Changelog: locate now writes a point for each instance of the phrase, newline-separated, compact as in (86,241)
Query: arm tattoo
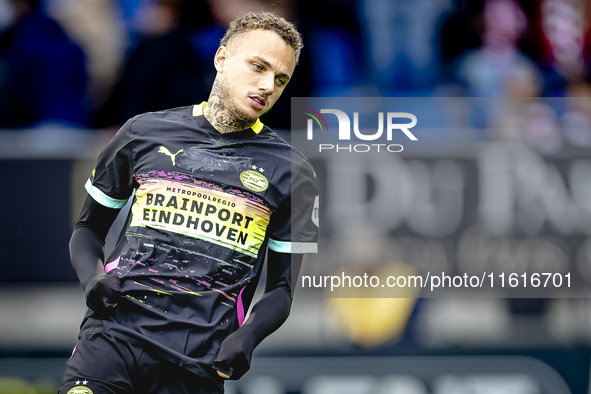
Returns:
(217,114)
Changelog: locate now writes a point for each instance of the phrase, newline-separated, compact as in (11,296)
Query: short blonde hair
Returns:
(266,21)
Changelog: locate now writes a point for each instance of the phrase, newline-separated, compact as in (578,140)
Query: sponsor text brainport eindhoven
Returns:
(153,214)
(345,131)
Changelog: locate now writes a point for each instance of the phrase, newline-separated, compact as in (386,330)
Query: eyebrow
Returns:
(266,63)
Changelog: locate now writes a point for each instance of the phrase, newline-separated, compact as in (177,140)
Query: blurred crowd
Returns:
(95,63)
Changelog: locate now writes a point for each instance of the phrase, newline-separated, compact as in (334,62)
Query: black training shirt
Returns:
(206,207)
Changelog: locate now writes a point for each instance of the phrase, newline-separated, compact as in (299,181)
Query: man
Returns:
(214,188)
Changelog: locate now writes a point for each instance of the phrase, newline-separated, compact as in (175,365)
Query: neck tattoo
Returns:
(218,115)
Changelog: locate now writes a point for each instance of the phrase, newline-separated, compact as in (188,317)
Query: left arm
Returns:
(267,315)
(293,228)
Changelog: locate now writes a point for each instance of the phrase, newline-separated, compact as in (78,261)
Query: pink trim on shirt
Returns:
(240,308)
(112,265)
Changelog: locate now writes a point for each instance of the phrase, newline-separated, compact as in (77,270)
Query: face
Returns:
(564,28)
(504,21)
(253,70)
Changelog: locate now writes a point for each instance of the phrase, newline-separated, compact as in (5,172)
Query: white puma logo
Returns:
(163,149)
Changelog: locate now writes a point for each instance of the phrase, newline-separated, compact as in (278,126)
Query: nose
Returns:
(267,83)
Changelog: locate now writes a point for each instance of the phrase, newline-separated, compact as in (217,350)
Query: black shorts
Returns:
(103,364)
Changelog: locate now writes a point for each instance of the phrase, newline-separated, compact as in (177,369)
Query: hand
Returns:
(102,292)
(233,359)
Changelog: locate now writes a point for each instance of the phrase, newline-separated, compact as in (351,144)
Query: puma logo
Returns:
(164,150)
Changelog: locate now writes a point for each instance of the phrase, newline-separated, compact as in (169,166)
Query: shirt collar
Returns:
(198,111)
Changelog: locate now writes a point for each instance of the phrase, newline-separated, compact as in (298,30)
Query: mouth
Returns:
(258,102)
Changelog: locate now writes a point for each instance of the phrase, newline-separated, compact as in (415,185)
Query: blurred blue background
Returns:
(73,71)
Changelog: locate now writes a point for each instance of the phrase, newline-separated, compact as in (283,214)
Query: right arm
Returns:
(109,188)
(87,254)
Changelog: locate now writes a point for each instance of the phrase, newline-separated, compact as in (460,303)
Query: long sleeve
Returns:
(267,315)
(87,253)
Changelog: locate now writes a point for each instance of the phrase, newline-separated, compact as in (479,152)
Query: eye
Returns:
(257,66)
(281,81)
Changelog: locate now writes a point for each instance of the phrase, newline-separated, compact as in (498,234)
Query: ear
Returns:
(219,60)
